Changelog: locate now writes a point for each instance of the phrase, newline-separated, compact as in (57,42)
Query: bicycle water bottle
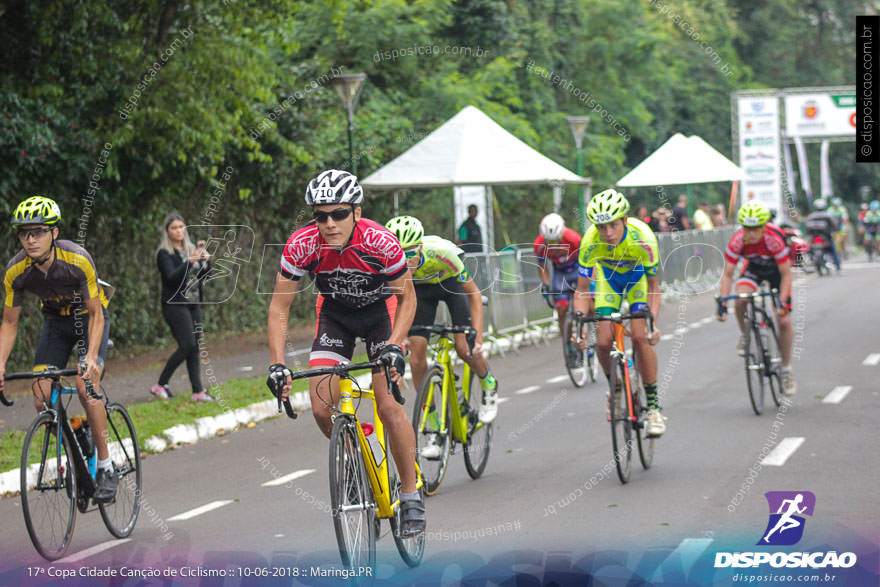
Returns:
(629,362)
(83,434)
(373,441)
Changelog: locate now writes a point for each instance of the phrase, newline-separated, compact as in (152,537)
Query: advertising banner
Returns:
(759,154)
(820,115)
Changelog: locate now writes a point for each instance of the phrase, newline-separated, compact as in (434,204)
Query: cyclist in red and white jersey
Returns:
(560,246)
(365,292)
(765,255)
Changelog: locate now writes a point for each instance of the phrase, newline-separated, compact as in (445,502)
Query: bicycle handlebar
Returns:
(53,374)
(341,369)
(755,294)
(443,330)
(618,317)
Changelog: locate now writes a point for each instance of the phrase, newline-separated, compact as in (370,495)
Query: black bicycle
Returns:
(763,357)
(59,464)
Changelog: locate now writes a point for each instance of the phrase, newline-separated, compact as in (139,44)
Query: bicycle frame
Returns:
(443,358)
(619,352)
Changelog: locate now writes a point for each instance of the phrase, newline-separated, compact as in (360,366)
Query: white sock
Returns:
(106,464)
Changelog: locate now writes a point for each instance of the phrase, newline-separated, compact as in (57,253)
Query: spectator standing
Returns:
(182,266)
(679,219)
(701,217)
(470,237)
(719,217)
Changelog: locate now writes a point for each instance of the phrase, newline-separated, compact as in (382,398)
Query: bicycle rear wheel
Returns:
(479,441)
(411,549)
(754,367)
(640,406)
(121,514)
(426,423)
(576,361)
(49,507)
(351,498)
(772,360)
(621,425)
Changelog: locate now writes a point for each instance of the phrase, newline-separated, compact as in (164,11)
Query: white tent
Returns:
(682,160)
(471,149)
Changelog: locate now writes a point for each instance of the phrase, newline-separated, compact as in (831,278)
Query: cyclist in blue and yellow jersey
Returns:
(63,275)
(439,274)
(621,254)
(871,222)
(839,212)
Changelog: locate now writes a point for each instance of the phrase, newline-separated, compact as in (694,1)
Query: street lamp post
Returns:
(578,125)
(348,86)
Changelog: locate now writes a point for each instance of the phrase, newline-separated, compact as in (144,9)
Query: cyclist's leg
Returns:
(333,344)
(609,295)
(392,414)
(53,349)
(833,250)
(97,415)
(746,283)
(426,311)
(786,330)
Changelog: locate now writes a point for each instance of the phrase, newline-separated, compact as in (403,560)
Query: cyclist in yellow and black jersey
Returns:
(63,276)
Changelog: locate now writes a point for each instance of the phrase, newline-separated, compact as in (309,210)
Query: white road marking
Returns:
(872,360)
(706,320)
(693,325)
(558,379)
(200,510)
(836,395)
(286,478)
(246,368)
(83,554)
(783,450)
(299,352)
(501,400)
(667,336)
(680,330)
(528,389)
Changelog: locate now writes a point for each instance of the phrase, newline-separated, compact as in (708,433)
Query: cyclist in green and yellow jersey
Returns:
(439,274)
(621,254)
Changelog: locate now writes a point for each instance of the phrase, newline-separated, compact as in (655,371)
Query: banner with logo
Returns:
(820,115)
(759,155)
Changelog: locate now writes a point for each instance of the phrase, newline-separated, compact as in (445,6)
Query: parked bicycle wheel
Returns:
(411,549)
(621,425)
(772,360)
(754,362)
(476,450)
(351,498)
(48,494)
(640,406)
(426,423)
(577,362)
(121,515)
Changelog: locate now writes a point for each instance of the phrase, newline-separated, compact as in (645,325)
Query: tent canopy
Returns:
(469,149)
(682,160)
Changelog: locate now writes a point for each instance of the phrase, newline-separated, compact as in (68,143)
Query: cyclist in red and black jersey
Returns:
(765,256)
(365,292)
(560,246)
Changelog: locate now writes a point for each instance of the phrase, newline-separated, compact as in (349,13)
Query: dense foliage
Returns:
(223,110)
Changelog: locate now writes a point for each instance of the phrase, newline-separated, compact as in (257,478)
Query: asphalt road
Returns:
(536,505)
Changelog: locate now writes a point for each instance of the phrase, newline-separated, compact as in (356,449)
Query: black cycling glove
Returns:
(278,374)
(393,355)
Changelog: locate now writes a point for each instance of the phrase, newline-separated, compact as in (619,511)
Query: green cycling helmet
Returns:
(37,210)
(607,207)
(753,214)
(836,202)
(407,229)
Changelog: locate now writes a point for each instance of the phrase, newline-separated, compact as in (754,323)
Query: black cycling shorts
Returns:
(429,296)
(339,326)
(753,275)
(63,334)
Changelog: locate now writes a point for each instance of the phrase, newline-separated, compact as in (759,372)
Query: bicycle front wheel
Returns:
(772,361)
(576,360)
(479,441)
(621,425)
(429,434)
(754,368)
(48,488)
(351,498)
(640,406)
(411,549)
(121,514)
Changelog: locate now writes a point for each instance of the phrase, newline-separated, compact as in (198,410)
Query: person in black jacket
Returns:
(183,266)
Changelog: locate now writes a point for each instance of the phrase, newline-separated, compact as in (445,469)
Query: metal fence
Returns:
(691,262)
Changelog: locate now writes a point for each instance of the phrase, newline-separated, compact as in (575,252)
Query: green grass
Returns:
(153,417)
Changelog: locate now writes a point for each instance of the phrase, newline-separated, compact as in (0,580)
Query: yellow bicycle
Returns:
(446,413)
(364,482)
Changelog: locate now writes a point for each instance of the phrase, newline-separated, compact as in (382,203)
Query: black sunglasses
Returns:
(37,233)
(337,215)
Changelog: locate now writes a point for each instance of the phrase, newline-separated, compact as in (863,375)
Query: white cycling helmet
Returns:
(552,227)
(334,187)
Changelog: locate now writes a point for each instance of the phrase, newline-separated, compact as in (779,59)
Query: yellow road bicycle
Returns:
(364,482)
(446,413)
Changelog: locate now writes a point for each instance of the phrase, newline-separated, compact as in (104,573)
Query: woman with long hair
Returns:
(182,266)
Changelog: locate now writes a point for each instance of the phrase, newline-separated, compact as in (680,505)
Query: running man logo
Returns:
(786,524)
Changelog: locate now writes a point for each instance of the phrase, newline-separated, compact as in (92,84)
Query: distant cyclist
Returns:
(560,246)
(821,223)
(621,254)
(365,292)
(871,223)
(761,246)
(63,276)
(439,275)
(839,212)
